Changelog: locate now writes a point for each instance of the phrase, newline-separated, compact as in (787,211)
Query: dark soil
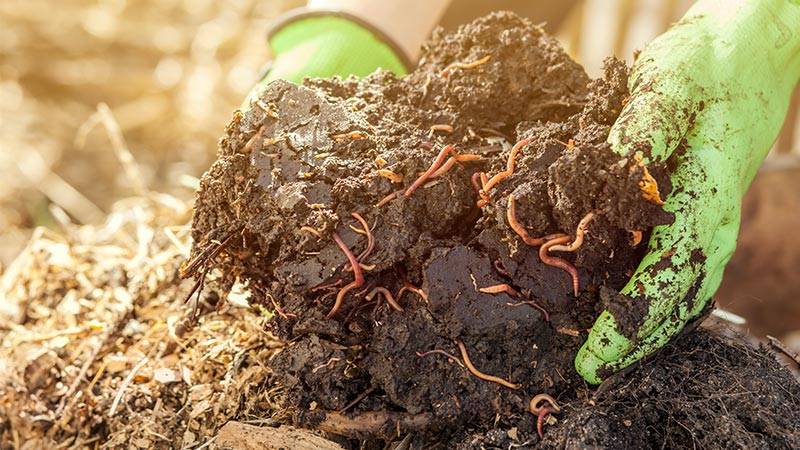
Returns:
(306,157)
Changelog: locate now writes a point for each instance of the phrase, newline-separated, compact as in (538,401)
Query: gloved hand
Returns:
(709,96)
(319,44)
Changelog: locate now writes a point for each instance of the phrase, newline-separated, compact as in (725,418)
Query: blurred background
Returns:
(173,71)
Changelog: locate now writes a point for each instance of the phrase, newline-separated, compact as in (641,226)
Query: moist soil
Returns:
(293,169)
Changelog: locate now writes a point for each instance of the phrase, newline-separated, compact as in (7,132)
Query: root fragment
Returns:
(441,352)
(311,230)
(558,262)
(358,280)
(459,65)
(480,374)
(542,412)
(579,233)
(283,314)
(327,364)
(446,150)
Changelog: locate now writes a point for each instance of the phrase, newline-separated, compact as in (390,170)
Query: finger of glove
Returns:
(718,256)
(663,96)
(705,226)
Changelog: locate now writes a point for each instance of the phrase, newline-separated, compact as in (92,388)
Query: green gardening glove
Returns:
(710,95)
(324,44)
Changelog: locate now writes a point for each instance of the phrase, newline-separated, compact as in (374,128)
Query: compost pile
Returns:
(435,188)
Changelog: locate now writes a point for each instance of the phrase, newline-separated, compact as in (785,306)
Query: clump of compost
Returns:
(434,247)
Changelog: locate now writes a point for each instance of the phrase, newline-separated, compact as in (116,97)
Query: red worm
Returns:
(357,274)
(558,262)
(387,295)
(542,412)
(579,234)
(431,170)
(500,288)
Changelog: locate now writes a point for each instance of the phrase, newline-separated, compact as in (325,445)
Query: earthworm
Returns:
(410,287)
(446,150)
(511,216)
(460,65)
(475,179)
(248,147)
(327,364)
(326,285)
(484,197)
(500,288)
(510,165)
(441,352)
(500,268)
(357,275)
(351,135)
(370,237)
(388,198)
(442,127)
(451,162)
(279,310)
(579,233)
(387,295)
(543,412)
(558,262)
(390,175)
(311,230)
(480,374)
(535,305)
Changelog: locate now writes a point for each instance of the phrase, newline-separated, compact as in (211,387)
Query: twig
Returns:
(124,385)
(784,349)
(441,352)
(357,400)
(104,116)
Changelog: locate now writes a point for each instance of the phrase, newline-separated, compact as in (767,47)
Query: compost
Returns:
(435,247)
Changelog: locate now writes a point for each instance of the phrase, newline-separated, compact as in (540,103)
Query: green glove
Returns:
(710,96)
(319,44)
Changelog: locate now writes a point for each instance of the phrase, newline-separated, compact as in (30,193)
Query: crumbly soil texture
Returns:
(305,163)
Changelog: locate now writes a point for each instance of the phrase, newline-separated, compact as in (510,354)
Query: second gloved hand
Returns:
(708,97)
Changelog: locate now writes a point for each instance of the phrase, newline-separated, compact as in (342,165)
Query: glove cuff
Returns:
(299,25)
